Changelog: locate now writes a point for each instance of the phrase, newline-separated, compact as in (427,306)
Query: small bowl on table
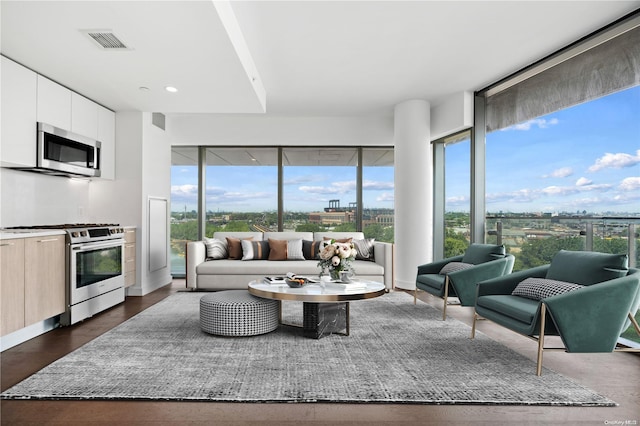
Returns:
(296,282)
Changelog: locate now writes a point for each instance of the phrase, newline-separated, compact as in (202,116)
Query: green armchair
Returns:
(457,276)
(586,298)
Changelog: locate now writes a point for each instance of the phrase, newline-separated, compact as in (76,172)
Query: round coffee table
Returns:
(325,305)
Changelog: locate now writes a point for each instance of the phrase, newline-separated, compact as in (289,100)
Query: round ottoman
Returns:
(237,313)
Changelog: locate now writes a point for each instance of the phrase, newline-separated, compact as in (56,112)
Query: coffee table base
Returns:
(324,319)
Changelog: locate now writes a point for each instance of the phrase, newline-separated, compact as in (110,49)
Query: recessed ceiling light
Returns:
(171,89)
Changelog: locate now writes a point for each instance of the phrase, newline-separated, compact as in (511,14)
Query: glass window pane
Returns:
(377,193)
(319,186)
(184,202)
(457,154)
(242,189)
(566,180)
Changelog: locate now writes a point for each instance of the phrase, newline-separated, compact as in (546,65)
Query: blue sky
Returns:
(586,157)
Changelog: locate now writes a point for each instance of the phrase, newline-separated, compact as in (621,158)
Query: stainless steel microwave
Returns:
(64,153)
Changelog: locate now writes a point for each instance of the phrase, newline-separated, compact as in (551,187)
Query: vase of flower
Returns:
(336,258)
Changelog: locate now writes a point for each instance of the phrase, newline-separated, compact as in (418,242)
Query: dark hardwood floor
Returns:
(616,376)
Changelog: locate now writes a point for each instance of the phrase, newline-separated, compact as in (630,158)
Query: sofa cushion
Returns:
(261,268)
(255,250)
(285,249)
(454,267)
(541,288)
(587,267)
(235,247)
(311,249)
(515,307)
(481,253)
(364,249)
(216,248)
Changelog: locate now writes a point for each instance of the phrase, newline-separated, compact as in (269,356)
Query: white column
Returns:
(413,190)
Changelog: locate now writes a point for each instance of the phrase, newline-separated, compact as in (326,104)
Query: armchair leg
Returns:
(446,295)
(634,322)
(473,326)
(543,314)
(415,295)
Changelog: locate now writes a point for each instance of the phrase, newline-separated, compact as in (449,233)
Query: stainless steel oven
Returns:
(95,271)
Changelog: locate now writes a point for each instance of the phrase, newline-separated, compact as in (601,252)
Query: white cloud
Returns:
(184,190)
(375,185)
(386,196)
(560,173)
(457,201)
(583,181)
(630,184)
(615,161)
(541,123)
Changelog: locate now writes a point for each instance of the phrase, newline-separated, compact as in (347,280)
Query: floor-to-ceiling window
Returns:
(319,188)
(184,204)
(457,175)
(279,188)
(563,152)
(241,189)
(377,193)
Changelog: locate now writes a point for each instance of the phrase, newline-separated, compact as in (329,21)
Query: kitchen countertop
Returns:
(9,234)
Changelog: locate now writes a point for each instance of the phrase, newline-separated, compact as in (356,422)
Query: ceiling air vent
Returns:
(106,39)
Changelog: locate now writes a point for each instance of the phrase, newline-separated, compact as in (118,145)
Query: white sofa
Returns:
(226,274)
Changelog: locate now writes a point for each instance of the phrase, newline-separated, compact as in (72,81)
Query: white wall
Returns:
(33,199)
(247,129)
(143,170)
(453,114)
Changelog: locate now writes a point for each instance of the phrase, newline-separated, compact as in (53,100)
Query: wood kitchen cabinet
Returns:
(32,280)
(11,285)
(129,257)
(44,278)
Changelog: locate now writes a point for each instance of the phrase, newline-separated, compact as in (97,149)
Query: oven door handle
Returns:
(98,245)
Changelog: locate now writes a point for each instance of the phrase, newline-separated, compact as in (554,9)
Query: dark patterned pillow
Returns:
(364,249)
(311,249)
(216,249)
(454,267)
(255,250)
(541,288)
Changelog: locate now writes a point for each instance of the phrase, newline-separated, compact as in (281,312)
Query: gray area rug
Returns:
(396,353)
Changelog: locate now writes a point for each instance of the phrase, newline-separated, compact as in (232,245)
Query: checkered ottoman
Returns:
(237,313)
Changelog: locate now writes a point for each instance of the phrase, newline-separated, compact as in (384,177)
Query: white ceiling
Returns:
(310,58)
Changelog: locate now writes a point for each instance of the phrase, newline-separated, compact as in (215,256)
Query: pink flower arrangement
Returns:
(337,257)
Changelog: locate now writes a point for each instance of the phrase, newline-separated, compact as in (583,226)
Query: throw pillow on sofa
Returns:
(235,247)
(364,249)
(311,249)
(216,249)
(255,250)
(541,288)
(285,249)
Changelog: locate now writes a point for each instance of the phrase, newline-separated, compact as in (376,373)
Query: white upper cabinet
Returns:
(18,93)
(107,136)
(54,104)
(84,116)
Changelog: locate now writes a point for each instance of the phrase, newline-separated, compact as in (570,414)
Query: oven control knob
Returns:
(84,233)
(74,234)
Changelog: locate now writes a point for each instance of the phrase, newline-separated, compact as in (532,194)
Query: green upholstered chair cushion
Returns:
(586,268)
(481,253)
(519,308)
(434,281)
